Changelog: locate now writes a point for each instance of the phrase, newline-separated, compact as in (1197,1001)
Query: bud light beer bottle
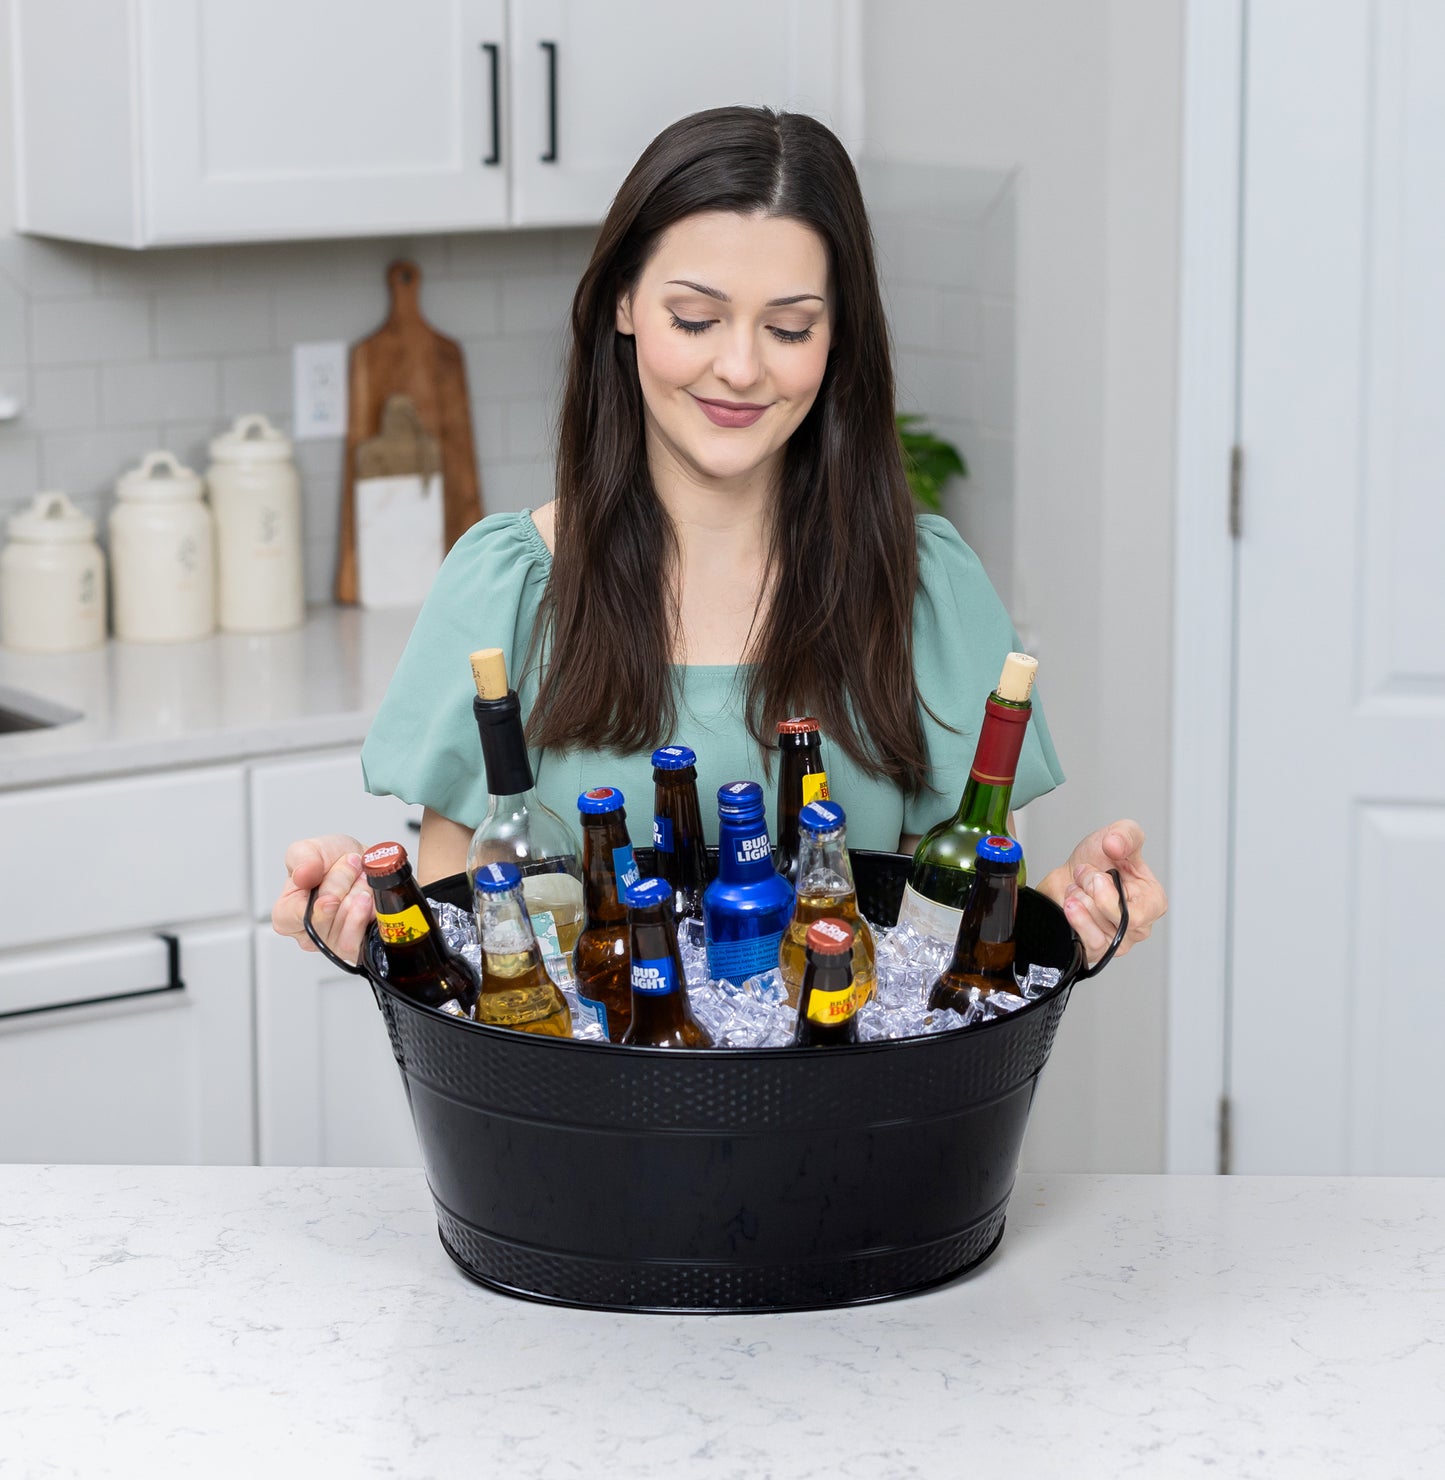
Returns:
(661,1014)
(677,841)
(746,909)
(599,964)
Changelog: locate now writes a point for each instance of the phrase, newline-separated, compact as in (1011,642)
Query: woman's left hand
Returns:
(1084,891)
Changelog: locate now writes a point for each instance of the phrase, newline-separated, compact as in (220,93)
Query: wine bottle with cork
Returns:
(944,861)
(518,829)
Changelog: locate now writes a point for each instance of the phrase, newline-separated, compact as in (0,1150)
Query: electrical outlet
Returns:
(318,375)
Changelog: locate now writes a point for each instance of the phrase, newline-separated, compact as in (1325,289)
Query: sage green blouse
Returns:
(423,747)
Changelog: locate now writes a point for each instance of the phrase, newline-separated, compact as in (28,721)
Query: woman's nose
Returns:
(737,360)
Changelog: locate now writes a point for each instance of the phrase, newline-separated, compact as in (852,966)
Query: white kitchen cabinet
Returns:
(106,1055)
(166,122)
(328,1089)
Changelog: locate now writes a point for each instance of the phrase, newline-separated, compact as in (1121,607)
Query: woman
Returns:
(732,541)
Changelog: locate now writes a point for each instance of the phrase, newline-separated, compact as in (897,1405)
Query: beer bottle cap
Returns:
(382,859)
(999,849)
(674,758)
(803,724)
(489,673)
(1016,681)
(821,817)
(830,937)
(739,798)
(497,878)
(644,893)
(599,800)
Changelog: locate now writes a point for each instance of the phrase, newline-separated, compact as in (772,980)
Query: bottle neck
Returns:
(677,830)
(503,923)
(985,800)
(988,921)
(504,745)
(407,927)
(823,864)
(744,854)
(606,851)
(799,756)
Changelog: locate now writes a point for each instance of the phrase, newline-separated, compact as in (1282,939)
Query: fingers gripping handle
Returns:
(1108,955)
(331,955)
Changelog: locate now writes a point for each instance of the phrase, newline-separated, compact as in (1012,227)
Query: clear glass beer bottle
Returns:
(516,990)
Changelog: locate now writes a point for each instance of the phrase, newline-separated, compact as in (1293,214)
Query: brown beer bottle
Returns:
(983,956)
(677,841)
(417,960)
(599,964)
(661,1016)
(516,990)
(801,779)
(828,1002)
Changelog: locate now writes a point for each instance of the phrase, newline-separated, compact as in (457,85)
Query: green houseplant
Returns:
(928,461)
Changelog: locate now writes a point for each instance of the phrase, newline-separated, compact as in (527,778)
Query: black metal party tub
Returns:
(728,1179)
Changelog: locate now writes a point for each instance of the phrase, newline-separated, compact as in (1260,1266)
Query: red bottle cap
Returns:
(384,858)
(802,725)
(830,937)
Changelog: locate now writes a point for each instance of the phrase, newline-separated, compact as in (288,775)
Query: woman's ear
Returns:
(624,316)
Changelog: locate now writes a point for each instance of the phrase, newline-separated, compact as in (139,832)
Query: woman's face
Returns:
(732,322)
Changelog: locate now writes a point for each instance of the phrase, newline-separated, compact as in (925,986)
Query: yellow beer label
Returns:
(832,1007)
(815,787)
(398,930)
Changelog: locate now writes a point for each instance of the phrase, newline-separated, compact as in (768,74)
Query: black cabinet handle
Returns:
(494,56)
(173,984)
(550,47)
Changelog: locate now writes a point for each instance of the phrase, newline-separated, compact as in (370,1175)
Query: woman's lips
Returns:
(729,413)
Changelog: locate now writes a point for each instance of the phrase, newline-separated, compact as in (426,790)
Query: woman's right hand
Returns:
(332,866)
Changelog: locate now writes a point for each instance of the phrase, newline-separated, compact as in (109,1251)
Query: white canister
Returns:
(162,554)
(256,495)
(52,579)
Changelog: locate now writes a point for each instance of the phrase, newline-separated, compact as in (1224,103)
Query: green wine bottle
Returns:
(943,863)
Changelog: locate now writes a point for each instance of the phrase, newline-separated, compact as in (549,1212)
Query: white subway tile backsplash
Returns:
(530,430)
(256,383)
(537,304)
(212,323)
(523,484)
(460,308)
(489,425)
(961,322)
(86,464)
(500,253)
(89,331)
(14,340)
(515,366)
(159,390)
(19,468)
(64,399)
(166,270)
(342,308)
(915,315)
(54,269)
(998,341)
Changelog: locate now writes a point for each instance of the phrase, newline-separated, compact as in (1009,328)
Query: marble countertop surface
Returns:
(152,706)
(245,1321)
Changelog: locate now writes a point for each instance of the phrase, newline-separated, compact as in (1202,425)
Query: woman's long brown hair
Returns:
(836,638)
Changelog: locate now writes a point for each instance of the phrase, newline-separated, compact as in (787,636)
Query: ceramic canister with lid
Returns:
(256,494)
(162,554)
(52,579)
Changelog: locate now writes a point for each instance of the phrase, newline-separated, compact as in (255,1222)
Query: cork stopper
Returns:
(489,673)
(1016,682)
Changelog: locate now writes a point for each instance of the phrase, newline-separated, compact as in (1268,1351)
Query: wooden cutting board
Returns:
(407,357)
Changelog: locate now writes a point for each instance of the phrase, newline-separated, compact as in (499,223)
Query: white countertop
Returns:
(245,1321)
(152,706)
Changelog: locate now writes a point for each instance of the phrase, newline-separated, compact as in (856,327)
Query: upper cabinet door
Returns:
(268,118)
(593,84)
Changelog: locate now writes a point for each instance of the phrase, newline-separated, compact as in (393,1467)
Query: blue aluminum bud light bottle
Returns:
(746,909)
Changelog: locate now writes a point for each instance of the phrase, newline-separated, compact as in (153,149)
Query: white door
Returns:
(1337,1017)
(108,1056)
(274,118)
(592,84)
(328,1089)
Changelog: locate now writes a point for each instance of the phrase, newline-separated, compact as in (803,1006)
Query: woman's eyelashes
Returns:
(786,336)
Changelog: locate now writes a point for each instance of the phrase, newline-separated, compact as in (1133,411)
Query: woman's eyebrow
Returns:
(723,297)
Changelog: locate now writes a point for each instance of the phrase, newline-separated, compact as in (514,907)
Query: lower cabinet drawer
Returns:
(107,856)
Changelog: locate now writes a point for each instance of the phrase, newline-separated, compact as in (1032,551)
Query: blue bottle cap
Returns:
(1000,849)
(739,797)
(600,799)
(642,893)
(497,878)
(674,758)
(822,817)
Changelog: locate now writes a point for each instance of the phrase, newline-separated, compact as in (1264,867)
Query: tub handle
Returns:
(326,950)
(1085,971)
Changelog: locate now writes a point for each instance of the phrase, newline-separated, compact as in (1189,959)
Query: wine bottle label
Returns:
(589,1011)
(624,866)
(654,978)
(736,960)
(815,787)
(751,850)
(662,834)
(544,927)
(927,917)
(399,929)
(832,1007)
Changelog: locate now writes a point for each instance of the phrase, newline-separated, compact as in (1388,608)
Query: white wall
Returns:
(1083,101)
